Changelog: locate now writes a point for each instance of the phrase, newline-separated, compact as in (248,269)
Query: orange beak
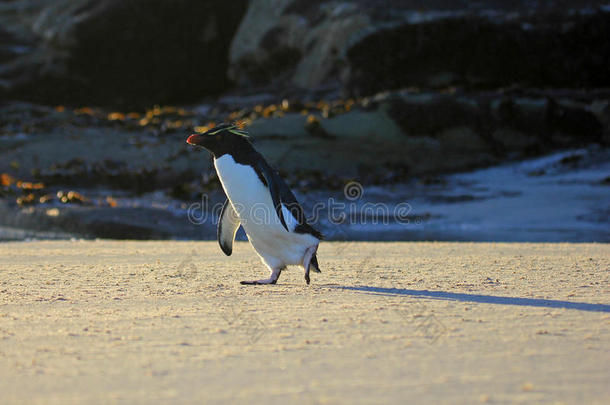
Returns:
(193,139)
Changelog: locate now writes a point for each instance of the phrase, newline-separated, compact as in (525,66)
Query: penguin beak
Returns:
(194,139)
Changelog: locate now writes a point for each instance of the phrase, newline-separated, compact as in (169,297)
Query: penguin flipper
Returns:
(227,227)
(274,189)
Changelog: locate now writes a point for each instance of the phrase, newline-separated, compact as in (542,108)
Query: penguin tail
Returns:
(314,264)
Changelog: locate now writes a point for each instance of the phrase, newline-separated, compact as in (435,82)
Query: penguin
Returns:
(259,201)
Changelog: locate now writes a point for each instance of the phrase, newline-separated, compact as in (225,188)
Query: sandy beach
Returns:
(168,322)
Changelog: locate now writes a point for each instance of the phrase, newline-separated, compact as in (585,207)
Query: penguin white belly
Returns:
(252,201)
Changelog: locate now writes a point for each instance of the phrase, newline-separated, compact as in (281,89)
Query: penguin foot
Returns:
(275,274)
(258,282)
(307,261)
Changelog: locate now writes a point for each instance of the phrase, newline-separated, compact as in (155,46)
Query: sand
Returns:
(168,322)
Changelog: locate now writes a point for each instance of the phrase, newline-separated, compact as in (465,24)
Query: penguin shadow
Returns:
(478,298)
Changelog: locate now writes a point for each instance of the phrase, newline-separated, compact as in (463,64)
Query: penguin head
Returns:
(221,139)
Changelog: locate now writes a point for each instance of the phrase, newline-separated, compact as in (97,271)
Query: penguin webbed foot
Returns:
(310,261)
(258,282)
(275,274)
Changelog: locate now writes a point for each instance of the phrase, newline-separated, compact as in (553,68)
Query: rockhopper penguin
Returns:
(259,201)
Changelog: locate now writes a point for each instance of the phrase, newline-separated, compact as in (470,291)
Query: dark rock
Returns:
(314,128)
(104,222)
(293,43)
(367,46)
(429,114)
(571,161)
(138,52)
(130,53)
(558,50)
(574,122)
(277,66)
(452,199)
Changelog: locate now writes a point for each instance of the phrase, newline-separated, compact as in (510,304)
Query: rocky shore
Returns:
(97,173)
(135,53)
(382,93)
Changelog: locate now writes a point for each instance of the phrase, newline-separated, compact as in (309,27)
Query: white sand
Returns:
(168,322)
